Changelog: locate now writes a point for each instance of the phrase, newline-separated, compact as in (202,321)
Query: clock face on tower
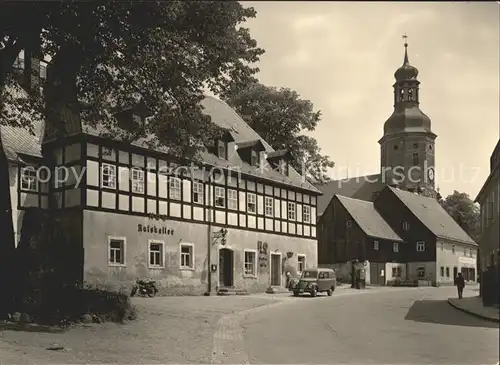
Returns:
(430,174)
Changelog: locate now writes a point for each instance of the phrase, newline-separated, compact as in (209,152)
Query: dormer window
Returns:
(249,151)
(254,159)
(283,167)
(137,119)
(222,149)
(279,160)
(132,119)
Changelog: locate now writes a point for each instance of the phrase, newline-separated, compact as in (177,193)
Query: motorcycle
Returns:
(145,288)
(291,282)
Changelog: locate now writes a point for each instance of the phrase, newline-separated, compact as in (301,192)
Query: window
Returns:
(250,263)
(465,251)
(29,179)
(187,256)
(406,226)
(220,198)
(442,246)
(306,213)
(301,263)
(254,158)
(43,71)
(410,95)
(197,192)
(420,246)
(442,271)
(453,249)
(421,272)
(415,159)
(269,206)
(116,251)
(447,272)
(291,211)
(174,188)
(395,247)
(396,272)
(222,149)
(108,176)
(348,223)
(470,252)
(156,254)
(401,95)
(415,145)
(375,245)
(232,199)
(283,167)
(137,181)
(324,275)
(251,203)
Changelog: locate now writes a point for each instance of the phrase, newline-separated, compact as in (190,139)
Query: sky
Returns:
(342,56)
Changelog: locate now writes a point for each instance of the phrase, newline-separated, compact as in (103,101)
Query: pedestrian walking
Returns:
(460,284)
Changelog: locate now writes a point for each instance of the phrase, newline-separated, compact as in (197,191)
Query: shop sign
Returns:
(154,229)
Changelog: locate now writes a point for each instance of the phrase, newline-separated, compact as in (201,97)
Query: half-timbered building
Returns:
(235,220)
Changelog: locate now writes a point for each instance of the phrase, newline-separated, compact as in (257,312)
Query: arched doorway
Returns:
(226,267)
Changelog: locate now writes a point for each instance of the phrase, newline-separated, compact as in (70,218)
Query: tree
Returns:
(107,55)
(464,211)
(280,116)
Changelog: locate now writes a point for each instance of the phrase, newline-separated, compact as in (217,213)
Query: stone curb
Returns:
(496,320)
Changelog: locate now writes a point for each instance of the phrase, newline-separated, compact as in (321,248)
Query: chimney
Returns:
(31,77)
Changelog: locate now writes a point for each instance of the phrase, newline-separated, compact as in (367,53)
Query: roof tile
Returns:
(433,216)
(368,219)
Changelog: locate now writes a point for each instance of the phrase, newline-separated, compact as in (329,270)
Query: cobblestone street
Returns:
(376,325)
(168,330)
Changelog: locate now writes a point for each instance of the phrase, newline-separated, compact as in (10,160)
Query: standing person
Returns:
(460,284)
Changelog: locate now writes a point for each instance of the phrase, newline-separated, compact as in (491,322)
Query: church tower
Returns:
(407,147)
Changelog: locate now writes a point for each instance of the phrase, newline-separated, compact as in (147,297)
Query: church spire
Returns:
(406,72)
(405,62)
(407,145)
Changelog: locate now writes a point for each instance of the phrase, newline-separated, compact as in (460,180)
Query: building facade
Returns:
(239,219)
(400,236)
(489,199)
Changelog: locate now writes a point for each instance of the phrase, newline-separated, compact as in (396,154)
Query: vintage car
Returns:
(314,281)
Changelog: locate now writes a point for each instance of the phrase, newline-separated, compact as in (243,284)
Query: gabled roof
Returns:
(368,219)
(18,141)
(359,187)
(225,117)
(433,216)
